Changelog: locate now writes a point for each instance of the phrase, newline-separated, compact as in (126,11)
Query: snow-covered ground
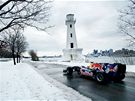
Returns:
(5,59)
(22,82)
(130,68)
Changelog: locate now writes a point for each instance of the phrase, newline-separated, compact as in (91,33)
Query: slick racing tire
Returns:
(119,77)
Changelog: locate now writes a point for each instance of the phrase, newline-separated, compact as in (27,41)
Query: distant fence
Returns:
(102,59)
(124,60)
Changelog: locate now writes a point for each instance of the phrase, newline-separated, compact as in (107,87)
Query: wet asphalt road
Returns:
(123,91)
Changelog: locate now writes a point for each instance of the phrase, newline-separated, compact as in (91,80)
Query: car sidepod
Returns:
(85,71)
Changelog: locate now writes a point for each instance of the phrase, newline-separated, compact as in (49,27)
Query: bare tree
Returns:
(127,21)
(23,13)
(10,39)
(16,43)
(20,45)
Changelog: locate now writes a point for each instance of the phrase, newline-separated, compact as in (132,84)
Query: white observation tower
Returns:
(72,52)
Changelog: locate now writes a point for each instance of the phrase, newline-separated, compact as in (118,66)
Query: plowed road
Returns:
(123,91)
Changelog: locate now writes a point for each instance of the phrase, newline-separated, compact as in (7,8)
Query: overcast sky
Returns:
(96,27)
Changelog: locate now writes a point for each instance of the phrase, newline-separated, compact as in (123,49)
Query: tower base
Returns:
(72,54)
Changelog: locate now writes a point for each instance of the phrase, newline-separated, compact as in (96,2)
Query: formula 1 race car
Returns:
(101,72)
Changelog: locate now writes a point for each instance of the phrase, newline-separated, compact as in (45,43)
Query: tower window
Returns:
(71,45)
(71,35)
(70,25)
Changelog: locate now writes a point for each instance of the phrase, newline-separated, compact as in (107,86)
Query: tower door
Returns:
(71,45)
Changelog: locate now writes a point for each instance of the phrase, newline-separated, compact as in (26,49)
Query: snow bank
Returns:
(5,59)
(130,68)
(21,82)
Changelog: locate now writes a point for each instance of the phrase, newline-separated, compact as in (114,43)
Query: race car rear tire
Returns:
(100,77)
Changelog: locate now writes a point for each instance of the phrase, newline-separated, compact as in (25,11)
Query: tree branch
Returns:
(4,4)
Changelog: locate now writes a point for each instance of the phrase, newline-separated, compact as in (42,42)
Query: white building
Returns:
(71,52)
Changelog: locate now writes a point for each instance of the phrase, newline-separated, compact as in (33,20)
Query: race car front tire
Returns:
(69,70)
